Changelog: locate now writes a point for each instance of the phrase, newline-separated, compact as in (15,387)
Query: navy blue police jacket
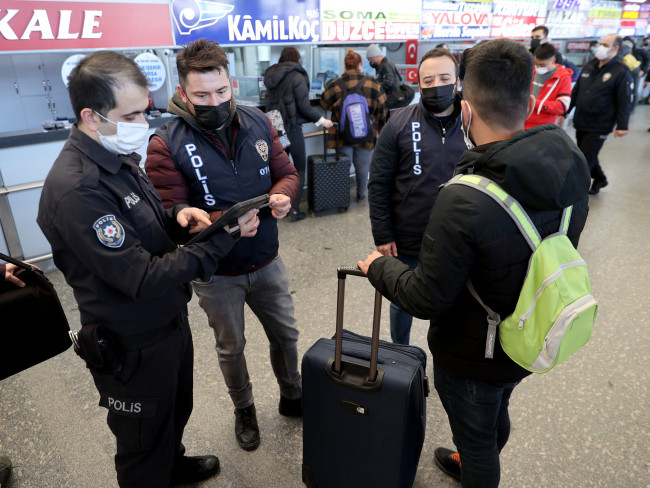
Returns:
(413,156)
(203,175)
(113,240)
(602,97)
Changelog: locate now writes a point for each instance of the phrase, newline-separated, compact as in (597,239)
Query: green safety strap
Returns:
(511,206)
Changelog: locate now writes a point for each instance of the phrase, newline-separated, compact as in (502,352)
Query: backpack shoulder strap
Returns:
(509,204)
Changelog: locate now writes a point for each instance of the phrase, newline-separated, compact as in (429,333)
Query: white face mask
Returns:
(602,53)
(465,131)
(541,71)
(129,137)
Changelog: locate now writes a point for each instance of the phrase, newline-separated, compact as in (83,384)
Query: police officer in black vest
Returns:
(112,240)
(416,152)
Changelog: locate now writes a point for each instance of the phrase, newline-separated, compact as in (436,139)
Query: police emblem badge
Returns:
(109,231)
(262,149)
(606,77)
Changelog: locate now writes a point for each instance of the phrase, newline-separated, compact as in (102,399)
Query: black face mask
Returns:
(534,44)
(437,99)
(210,117)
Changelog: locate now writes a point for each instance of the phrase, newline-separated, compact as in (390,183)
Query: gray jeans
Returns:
(266,291)
(360,158)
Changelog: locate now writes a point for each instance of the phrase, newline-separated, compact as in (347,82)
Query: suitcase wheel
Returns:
(343,209)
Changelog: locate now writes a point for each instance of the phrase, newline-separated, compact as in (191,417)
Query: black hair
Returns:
(545,51)
(542,28)
(202,56)
(497,82)
(93,82)
(439,52)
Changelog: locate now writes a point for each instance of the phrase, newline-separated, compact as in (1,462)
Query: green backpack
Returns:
(555,312)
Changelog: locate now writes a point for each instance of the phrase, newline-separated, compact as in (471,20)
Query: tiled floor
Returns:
(585,424)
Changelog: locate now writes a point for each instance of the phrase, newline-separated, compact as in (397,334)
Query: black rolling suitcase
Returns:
(364,408)
(328,179)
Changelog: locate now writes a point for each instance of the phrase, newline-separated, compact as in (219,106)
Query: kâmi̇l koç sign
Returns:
(237,22)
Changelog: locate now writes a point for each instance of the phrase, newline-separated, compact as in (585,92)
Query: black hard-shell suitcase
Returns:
(328,177)
(364,408)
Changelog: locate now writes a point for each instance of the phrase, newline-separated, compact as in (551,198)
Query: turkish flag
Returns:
(412,51)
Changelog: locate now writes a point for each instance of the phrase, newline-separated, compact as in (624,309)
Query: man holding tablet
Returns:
(212,156)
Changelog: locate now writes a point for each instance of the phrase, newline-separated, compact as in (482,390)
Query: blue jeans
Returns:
(401,321)
(360,158)
(480,424)
(266,291)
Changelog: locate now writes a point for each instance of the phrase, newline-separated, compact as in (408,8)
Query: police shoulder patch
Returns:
(109,231)
(262,149)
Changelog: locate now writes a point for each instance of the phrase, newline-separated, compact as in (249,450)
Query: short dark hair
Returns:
(593,43)
(93,82)
(289,54)
(542,28)
(545,51)
(497,81)
(203,56)
(439,52)
(618,42)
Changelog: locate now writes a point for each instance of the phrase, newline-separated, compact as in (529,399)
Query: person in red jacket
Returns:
(551,88)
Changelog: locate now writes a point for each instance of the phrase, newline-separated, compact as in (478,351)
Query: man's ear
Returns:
(464,110)
(89,119)
(181,92)
(531,105)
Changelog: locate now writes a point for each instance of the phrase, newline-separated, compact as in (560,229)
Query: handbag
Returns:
(33,325)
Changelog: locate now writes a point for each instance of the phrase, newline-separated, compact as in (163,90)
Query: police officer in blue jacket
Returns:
(114,243)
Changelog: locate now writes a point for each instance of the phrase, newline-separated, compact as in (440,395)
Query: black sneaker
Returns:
(290,408)
(246,430)
(5,470)
(596,186)
(295,215)
(448,461)
(192,469)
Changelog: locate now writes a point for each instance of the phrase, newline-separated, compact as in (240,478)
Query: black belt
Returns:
(151,337)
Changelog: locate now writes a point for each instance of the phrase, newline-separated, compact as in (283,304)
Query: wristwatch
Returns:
(234,231)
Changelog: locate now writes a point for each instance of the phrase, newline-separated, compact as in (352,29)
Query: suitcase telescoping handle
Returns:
(336,140)
(342,273)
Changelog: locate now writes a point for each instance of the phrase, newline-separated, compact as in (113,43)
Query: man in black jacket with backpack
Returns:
(469,237)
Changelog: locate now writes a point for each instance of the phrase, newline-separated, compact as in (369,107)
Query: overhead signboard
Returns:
(443,19)
(372,21)
(603,18)
(517,18)
(52,25)
(238,22)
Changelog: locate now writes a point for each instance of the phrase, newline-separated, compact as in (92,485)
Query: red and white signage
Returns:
(44,25)
(412,75)
(376,21)
(513,26)
(412,51)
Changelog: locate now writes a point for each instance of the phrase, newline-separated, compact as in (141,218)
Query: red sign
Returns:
(44,25)
(412,75)
(412,51)
(577,46)
(514,26)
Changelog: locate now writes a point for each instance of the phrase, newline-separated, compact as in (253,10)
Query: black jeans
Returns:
(590,143)
(480,424)
(298,154)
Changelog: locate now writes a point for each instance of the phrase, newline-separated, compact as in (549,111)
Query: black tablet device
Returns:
(231,215)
